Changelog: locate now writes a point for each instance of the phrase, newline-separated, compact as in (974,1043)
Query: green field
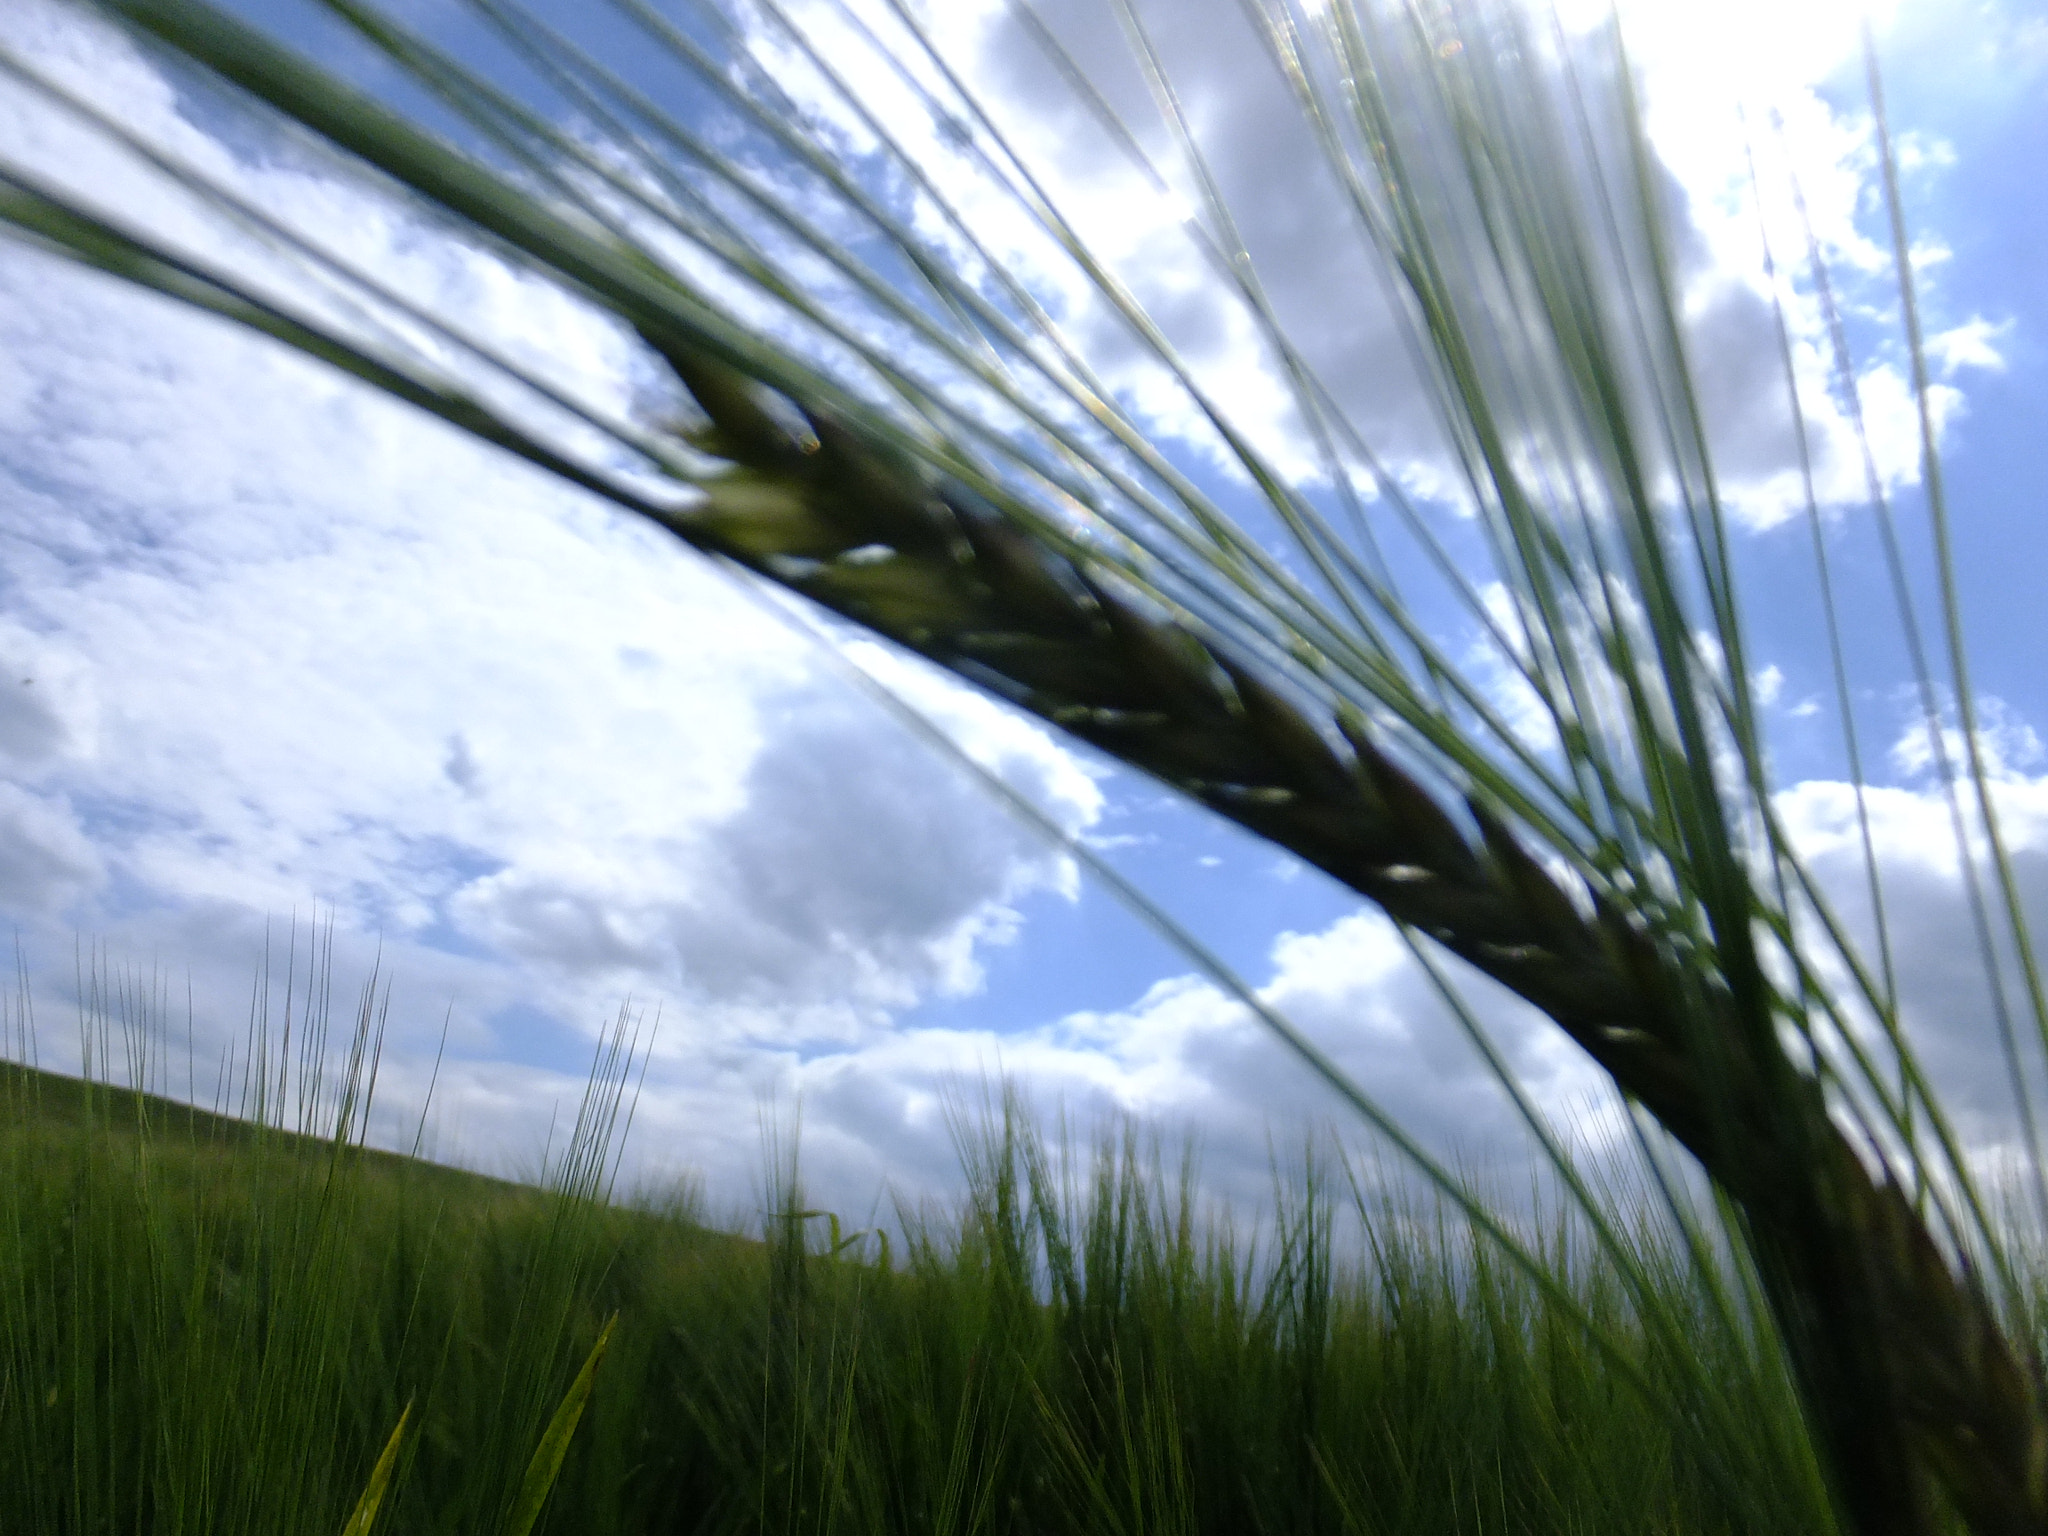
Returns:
(210,1326)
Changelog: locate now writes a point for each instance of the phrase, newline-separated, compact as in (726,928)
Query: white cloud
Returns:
(353,660)
(1945,984)
(1711,101)
(271,646)
(1973,344)
(44,852)
(2005,744)
(1182,1054)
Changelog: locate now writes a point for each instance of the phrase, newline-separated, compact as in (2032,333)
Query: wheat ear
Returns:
(1901,1360)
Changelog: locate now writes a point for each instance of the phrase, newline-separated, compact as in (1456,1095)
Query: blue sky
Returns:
(280,649)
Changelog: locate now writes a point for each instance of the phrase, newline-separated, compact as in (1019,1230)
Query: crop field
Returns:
(207,1325)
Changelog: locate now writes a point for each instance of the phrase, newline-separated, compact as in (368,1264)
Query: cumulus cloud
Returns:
(273,646)
(1749,147)
(1949,994)
(1185,1055)
(390,673)
(856,873)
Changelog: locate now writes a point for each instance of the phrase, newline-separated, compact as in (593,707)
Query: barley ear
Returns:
(1903,1363)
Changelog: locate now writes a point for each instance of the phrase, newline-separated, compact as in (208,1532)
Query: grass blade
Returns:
(546,1465)
(364,1516)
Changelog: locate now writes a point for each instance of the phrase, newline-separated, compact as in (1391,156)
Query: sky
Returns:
(278,657)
